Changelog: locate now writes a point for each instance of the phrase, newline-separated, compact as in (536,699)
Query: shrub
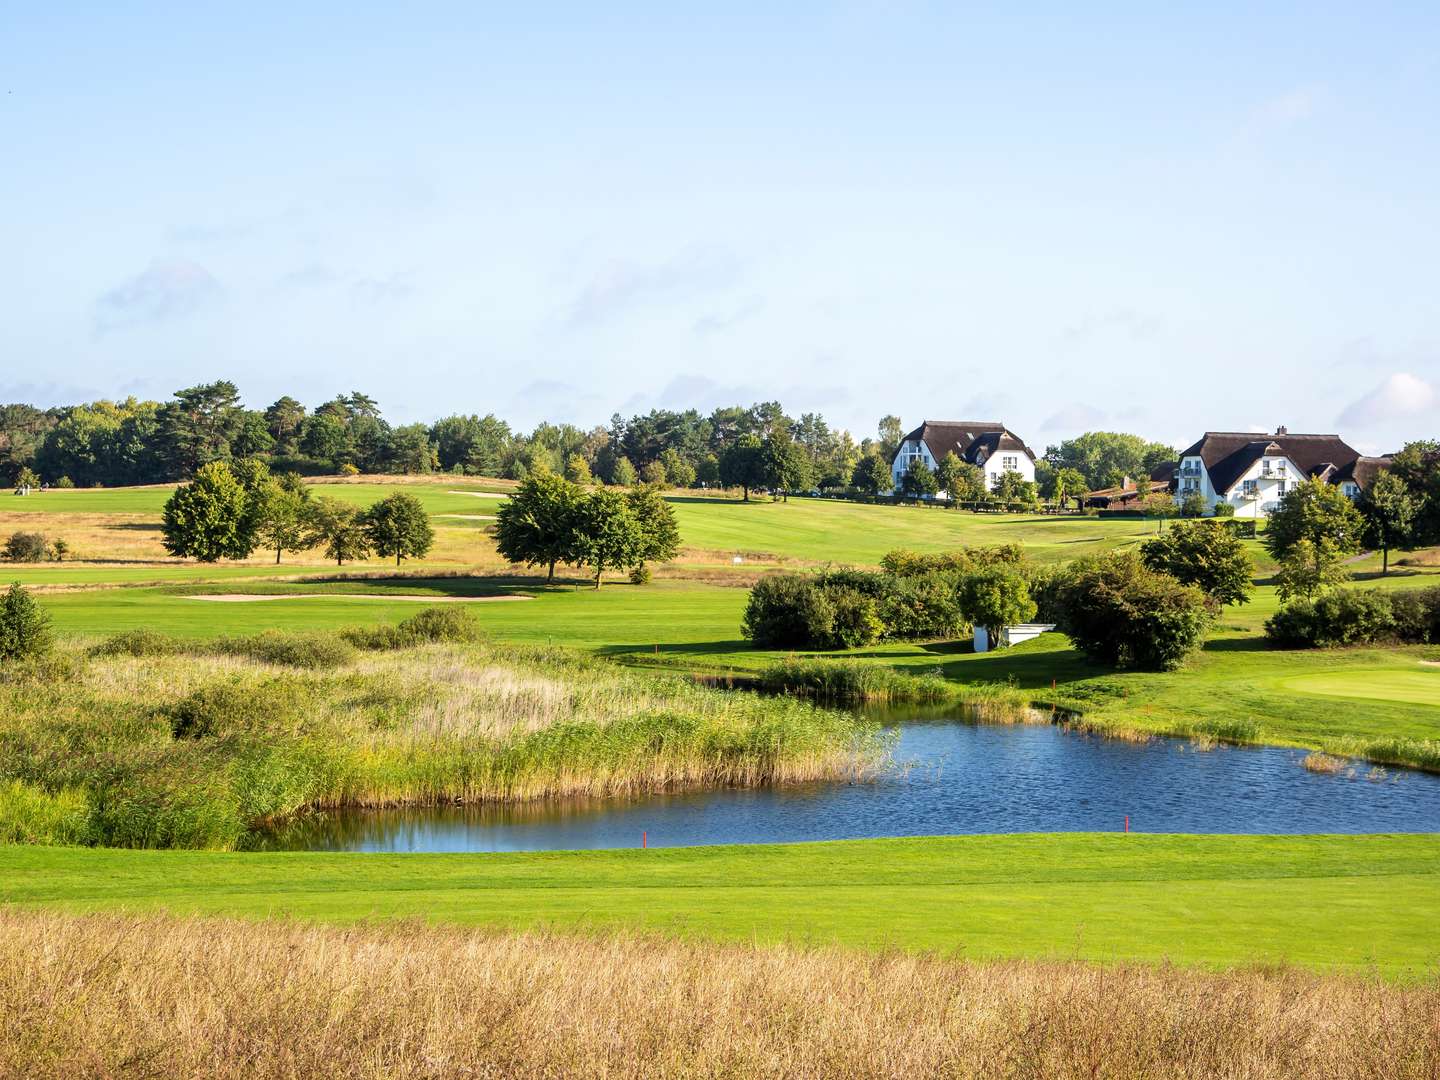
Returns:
(27,547)
(1341,617)
(435,624)
(24,626)
(921,608)
(1224,509)
(64,482)
(787,611)
(1120,613)
(348,470)
(31,815)
(238,706)
(1206,554)
(140,642)
(289,649)
(640,575)
(1193,505)
(1416,615)
(58,550)
(856,620)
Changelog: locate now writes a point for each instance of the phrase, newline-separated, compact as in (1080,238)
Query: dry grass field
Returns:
(119,996)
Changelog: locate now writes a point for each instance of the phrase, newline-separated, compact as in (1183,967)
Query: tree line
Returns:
(229,511)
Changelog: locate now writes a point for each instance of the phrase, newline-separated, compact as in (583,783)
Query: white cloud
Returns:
(167,288)
(1400,395)
(620,284)
(1073,419)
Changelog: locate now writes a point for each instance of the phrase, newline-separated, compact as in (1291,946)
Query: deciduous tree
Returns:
(210,518)
(536,525)
(1207,554)
(398,525)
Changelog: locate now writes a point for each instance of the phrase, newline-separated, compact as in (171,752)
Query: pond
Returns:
(950,778)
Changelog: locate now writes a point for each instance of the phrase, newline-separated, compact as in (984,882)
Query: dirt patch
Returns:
(247,598)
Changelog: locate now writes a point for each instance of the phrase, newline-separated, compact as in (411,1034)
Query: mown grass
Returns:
(198,744)
(124,995)
(1334,902)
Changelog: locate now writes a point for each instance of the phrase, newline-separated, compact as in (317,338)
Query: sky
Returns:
(1151,217)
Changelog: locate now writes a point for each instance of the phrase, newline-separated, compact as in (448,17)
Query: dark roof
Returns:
(1227,454)
(1364,470)
(967,438)
(1164,473)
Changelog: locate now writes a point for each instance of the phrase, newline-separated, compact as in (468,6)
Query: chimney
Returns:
(1282,430)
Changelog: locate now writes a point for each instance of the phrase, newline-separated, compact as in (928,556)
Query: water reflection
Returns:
(949,778)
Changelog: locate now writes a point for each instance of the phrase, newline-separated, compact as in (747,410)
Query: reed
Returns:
(123,995)
(855,681)
(199,750)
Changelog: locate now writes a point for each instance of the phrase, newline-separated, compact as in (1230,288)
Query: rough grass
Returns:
(198,749)
(118,995)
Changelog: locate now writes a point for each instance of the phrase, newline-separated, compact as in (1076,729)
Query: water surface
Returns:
(952,778)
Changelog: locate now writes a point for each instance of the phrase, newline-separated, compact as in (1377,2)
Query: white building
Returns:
(1251,472)
(986,443)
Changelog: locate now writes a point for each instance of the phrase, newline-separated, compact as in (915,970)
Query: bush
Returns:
(923,607)
(1120,613)
(1341,617)
(238,706)
(640,575)
(64,482)
(1224,509)
(856,620)
(24,626)
(140,642)
(27,547)
(1416,615)
(289,649)
(348,470)
(435,624)
(1193,505)
(788,611)
(31,815)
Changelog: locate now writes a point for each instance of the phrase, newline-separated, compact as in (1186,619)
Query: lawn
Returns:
(1360,903)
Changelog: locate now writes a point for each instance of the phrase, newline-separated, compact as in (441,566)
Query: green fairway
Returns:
(1420,686)
(1357,902)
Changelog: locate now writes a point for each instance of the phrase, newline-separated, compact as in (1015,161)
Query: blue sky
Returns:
(1122,216)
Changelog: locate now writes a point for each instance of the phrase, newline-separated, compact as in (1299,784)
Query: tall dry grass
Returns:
(128,996)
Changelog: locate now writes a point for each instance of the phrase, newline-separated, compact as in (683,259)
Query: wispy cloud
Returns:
(166,289)
(1292,106)
(1075,418)
(621,285)
(371,291)
(1399,396)
(722,321)
(1123,322)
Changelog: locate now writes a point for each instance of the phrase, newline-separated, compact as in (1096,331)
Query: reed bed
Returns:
(169,749)
(122,995)
(855,681)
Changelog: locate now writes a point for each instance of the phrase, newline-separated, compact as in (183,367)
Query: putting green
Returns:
(1418,687)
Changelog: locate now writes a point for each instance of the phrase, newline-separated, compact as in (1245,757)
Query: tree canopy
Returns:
(1206,554)
(209,518)
(1105,458)
(536,525)
(398,525)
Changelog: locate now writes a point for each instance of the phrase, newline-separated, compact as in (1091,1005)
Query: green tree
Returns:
(919,480)
(577,470)
(995,596)
(340,527)
(680,471)
(871,475)
(606,532)
(27,479)
(210,518)
(1206,554)
(282,517)
(891,433)
(623,473)
(948,474)
(659,531)
(787,467)
(1120,613)
(1068,483)
(1105,458)
(398,525)
(200,424)
(742,464)
(1316,511)
(1193,505)
(653,472)
(1012,488)
(1390,512)
(1309,567)
(284,420)
(536,525)
(411,450)
(24,626)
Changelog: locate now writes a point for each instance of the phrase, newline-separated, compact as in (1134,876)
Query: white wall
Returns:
(901,463)
(993,467)
(1267,485)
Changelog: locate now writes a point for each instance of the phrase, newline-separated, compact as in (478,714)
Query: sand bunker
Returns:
(469,517)
(247,598)
(482,494)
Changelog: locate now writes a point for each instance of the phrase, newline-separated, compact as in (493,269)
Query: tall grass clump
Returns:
(289,648)
(30,815)
(95,995)
(454,624)
(201,749)
(142,641)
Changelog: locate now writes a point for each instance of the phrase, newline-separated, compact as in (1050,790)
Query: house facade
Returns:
(986,443)
(1252,472)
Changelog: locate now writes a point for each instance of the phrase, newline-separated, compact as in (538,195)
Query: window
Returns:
(1249,487)
(1280,488)
(1009,463)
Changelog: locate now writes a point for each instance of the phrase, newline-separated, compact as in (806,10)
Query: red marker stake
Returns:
(645,836)
(1127,822)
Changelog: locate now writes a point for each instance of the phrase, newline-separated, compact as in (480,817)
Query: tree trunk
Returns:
(550,578)
(1384,556)
(397,559)
(277,554)
(746,490)
(599,573)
